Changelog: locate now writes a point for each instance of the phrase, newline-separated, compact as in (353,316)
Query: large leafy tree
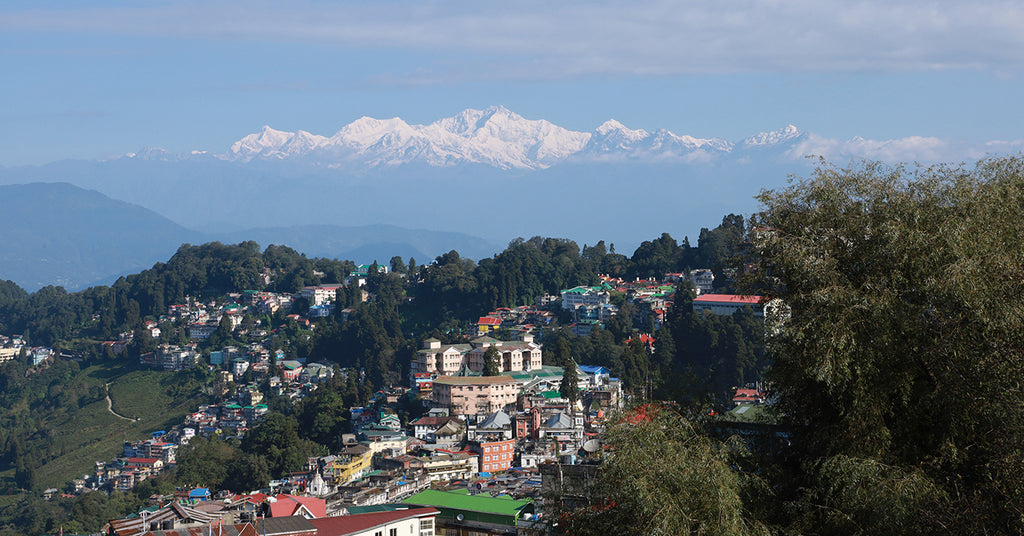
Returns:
(900,345)
(663,476)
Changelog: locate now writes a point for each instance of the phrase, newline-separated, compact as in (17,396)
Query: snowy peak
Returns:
(274,144)
(614,129)
(775,137)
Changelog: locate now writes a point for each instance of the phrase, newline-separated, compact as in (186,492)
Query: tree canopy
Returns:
(900,345)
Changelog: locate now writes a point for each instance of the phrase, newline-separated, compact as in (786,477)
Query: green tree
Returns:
(665,477)
(491,361)
(899,346)
(570,387)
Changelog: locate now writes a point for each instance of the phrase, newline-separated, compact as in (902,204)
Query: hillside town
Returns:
(494,416)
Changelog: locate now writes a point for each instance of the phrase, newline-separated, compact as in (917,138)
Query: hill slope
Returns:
(60,234)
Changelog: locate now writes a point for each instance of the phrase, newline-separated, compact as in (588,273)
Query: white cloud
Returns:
(922,149)
(556,39)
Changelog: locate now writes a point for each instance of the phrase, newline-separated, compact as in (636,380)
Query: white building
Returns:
(703,280)
(577,296)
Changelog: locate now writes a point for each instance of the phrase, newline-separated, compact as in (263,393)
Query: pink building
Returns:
(471,395)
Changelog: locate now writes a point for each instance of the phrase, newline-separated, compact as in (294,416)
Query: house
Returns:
(320,294)
(487,324)
(497,426)
(747,396)
(428,428)
(527,424)
(290,369)
(409,521)
(703,280)
(291,505)
(390,421)
(727,304)
(447,465)
(578,296)
(565,428)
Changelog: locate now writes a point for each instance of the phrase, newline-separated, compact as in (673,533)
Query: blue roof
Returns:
(199,492)
(591,369)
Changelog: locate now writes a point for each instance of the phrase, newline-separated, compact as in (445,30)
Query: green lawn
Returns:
(93,434)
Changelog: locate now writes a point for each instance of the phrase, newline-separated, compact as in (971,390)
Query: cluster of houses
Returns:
(12,347)
(471,465)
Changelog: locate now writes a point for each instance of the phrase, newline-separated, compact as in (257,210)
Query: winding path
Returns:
(110,404)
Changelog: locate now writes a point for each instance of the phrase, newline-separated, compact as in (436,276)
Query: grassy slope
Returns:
(94,434)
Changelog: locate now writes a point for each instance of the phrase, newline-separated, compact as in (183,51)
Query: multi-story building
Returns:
(350,464)
(494,455)
(320,294)
(577,296)
(703,280)
(472,395)
(445,359)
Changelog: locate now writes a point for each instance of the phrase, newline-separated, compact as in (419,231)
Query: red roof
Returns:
(148,461)
(489,321)
(288,505)
(355,523)
(728,298)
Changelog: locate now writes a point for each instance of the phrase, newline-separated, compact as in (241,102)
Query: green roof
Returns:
(550,394)
(473,503)
(546,371)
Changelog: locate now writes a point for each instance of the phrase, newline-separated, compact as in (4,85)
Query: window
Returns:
(393,532)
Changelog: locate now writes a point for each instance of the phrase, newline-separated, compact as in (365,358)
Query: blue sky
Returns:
(98,79)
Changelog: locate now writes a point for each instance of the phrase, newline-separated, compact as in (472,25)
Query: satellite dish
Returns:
(592,445)
(460,517)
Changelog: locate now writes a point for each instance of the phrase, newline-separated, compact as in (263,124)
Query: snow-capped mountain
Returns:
(774,137)
(496,137)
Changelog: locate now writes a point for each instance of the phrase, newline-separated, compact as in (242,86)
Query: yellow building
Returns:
(350,464)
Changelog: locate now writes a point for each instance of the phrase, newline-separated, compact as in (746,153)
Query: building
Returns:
(486,325)
(471,395)
(473,514)
(426,428)
(349,464)
(320,294)
(446,359)
(170,358)
(727,304)
(579,296)
(703,280)
(495,456)
(400,522)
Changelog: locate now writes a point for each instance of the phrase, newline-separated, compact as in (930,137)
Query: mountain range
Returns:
(383,187)
(495,137)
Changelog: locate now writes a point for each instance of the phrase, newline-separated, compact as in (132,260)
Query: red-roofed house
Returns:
(414,521)
(148,463)
(727,304)
(486,325)
(747,396)
(291,505)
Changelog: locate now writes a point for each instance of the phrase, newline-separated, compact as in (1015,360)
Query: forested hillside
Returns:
(411,302)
